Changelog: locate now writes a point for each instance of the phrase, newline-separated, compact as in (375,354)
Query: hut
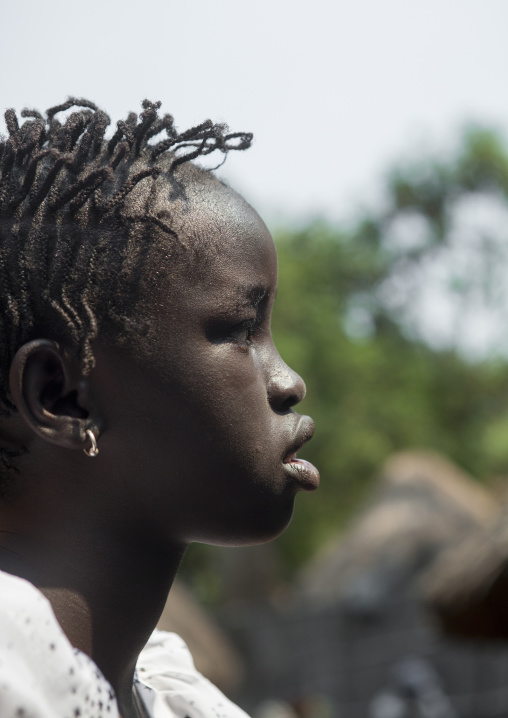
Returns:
(467,587)
(356,620)
(422,504)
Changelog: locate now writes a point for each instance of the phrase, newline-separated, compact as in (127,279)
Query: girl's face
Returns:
(207,424)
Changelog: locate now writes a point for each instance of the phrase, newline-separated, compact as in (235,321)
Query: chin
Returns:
(256,528)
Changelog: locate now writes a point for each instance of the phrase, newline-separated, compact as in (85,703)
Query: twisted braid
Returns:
(71,247)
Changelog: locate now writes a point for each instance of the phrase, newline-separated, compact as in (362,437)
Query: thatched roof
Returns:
(213,654)
(442,476)
(423,503)
(467,587)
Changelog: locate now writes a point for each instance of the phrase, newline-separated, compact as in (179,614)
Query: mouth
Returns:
(305,473)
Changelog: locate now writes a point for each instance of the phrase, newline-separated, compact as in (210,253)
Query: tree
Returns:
(350,317)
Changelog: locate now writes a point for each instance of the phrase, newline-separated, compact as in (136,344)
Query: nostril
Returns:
(290,402)
(286,389)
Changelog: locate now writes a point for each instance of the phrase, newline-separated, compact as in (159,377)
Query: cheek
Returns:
(227,412)
(217,409)
(205,450)
(220,380)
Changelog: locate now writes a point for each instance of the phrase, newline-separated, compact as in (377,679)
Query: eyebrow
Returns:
(250,296)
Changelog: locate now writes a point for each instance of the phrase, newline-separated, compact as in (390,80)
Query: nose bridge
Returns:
(285,387)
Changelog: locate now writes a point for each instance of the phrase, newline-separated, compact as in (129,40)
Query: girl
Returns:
(144,404)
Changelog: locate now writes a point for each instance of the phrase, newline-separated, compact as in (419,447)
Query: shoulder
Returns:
(41,674)
(165,665)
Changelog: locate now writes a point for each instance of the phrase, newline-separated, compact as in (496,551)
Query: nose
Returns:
(285,387)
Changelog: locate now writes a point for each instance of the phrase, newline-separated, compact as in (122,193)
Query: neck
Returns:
(107,595)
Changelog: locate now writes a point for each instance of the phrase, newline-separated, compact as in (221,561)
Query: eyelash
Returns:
(249,327)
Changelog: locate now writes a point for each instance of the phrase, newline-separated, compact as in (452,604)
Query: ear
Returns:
(52,394)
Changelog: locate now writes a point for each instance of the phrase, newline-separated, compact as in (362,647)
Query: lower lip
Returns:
(304,472)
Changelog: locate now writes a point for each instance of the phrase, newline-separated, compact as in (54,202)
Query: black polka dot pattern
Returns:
(43,676)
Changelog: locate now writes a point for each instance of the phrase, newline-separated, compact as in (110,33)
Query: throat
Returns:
(13,563)
(107,597)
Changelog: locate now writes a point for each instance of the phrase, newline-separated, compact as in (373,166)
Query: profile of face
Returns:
(201,415)
(155,341)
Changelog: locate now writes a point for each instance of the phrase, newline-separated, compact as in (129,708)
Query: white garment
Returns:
(43,676)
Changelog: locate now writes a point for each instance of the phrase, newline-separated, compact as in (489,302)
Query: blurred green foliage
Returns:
(373,386)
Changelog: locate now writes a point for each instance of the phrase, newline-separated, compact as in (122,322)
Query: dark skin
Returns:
(197,438)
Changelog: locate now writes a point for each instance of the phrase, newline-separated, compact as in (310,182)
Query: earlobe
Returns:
(52,394)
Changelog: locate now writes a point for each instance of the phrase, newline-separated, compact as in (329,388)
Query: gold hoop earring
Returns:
(94,449)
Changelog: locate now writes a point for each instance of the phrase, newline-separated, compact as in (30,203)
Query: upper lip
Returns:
(304,433)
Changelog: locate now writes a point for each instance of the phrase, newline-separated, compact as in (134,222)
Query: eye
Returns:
(243,332)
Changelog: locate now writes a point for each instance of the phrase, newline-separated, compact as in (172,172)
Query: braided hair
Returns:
(74,235)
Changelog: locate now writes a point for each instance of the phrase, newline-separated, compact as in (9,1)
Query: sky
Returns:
(334,91)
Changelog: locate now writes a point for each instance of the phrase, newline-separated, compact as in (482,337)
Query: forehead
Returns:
(226,241)
(225,261)
(218,220)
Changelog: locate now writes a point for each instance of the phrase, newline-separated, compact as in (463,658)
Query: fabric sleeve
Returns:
(180,691)
(41,674)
